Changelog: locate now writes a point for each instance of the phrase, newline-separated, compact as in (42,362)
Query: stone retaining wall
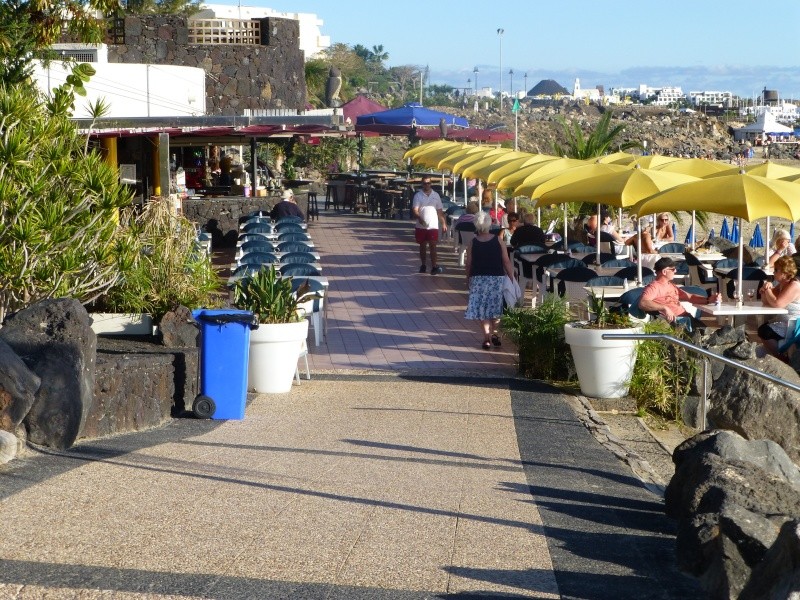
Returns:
(139,384)
(268,76)
(221,216)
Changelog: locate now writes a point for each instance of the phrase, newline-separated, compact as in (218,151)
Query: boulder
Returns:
(18,384)
(731,498)
(55,340)
(757,408)
(179,329)
(8,446)
(777,576)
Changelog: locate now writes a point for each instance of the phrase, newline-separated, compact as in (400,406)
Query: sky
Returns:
(738,46)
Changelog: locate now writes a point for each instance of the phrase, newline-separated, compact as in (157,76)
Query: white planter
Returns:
(604,367)
(274,352)
(122,323)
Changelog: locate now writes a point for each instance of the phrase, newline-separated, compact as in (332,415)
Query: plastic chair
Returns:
(603,280)
(752,280)
(253,237)
(629,302)
(571,282)
(314,307)
(258,258)
(726,263)
(694,289)
(464,240)
(246,270)
(257,246)
(257,228)
(299,269)
(523,269)
(297,258)
(289,228)
(633,272)
(698,274)
(589,259)
(294,247)
(618,263)
(672,248)
(293,237)
(555,261)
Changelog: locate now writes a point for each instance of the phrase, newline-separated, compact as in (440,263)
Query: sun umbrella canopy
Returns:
(689,233)
(543,181)
(525,166)
(558,165)
(757,240)
(411,114)
(696,167)
(724,231)
(647,162)
(487,165)
(429,147)
(624,158)
(431,159)
(735,232)
(746,196)
(622,188)
(456,164)
(766,169)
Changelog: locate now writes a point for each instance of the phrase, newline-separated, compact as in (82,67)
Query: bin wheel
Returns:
(203,407)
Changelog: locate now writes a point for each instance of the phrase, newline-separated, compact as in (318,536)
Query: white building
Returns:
(782,112)
(312,42)
(590,95)
(130,90)
(661,96)
(724,99)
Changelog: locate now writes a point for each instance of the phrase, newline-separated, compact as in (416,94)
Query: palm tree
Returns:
(378,55)
(601,139)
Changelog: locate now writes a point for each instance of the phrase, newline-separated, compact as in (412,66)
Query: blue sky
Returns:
(703,45)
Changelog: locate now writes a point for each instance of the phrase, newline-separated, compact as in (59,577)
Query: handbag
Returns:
(512,294)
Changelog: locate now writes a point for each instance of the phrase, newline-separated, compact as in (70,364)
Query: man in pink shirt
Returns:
(664,297)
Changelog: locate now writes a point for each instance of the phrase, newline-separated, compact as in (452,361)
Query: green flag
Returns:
(515,108)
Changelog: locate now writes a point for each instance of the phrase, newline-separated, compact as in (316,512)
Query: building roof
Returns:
(547,87)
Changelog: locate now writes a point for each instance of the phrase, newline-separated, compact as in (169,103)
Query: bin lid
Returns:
(223,316)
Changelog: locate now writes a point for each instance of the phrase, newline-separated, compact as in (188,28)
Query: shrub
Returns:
(539,335)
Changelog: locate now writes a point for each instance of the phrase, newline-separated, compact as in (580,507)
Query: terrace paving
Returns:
(412,465)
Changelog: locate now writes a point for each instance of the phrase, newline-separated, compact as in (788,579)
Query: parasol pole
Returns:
(538,217)
(566,245)
(741,268)
(694,232)
(639,279)
(597,236)
(766,245)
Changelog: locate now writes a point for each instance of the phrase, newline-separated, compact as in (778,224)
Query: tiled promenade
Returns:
(412,466)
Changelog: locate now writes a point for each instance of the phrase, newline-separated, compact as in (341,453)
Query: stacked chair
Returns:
(286,245)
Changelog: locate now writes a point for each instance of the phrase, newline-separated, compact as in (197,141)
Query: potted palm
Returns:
(276,344)
(604,367)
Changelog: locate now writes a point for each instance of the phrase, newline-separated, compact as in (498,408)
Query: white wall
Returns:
(134,90)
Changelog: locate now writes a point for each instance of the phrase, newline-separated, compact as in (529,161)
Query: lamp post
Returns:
(525,76)
(500,33)
(511,84)
(469,86)
(475,71)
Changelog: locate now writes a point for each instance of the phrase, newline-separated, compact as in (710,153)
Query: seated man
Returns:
(287,207)
(664,297)
(528,234)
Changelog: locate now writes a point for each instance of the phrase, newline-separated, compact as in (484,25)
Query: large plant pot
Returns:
(604,367)
(122,323)
(274,352)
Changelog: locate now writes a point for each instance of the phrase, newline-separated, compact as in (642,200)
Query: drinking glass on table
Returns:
(750,294)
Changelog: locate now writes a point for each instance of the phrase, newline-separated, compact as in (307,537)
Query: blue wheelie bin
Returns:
(224,354)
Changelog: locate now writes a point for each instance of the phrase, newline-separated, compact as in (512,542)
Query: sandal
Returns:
(495,339)
(487,345)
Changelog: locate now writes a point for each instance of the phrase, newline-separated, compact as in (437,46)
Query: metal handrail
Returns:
(706,354)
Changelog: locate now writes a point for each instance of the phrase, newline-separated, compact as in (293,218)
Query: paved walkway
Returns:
(413,465)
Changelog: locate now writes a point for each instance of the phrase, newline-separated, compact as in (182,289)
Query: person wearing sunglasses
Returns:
(662,297)
(663,229)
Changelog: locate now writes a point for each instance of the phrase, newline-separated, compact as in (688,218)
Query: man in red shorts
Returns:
(427,209)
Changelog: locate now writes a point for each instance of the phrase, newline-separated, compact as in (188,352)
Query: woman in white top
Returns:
(781,246)
(784,294)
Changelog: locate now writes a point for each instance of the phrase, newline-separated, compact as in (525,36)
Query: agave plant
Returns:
(271,297)
(601,317)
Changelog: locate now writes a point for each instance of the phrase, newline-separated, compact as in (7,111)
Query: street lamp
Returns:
(500,33)
(469,86)
(475,70)
(526,83)
(511,84)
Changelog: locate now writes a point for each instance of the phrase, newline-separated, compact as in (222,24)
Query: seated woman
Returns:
(784,294)
(647,242)
(663,229)
(781,246)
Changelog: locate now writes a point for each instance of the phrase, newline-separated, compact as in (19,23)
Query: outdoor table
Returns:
(608,292)
(730,311)
(709,256)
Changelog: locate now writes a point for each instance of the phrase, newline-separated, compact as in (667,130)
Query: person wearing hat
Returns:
(663,297)
(287,207)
